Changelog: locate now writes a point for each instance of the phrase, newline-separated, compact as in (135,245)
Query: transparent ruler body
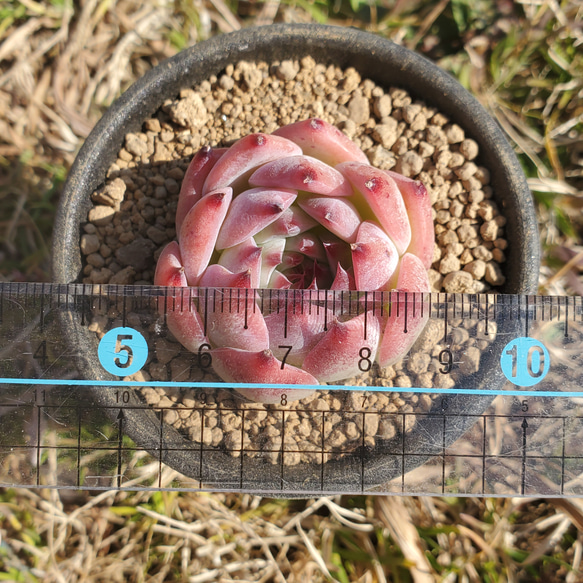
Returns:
(95,393)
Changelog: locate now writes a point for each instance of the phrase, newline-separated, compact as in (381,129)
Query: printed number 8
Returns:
(365,364)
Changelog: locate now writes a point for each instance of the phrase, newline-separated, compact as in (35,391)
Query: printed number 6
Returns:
(122,351)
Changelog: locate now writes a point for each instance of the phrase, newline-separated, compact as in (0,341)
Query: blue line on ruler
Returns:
(125,384)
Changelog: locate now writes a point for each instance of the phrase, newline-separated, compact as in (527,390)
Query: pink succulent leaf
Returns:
(313,285)
(182,318)
(251,212)
(290,260)
(342,280)
(169,269)
(192,183)
(233,317)
(408,315)
(308,245)
(244,156)
(187,327)
(412,275)
(338,215)
(242,257)
(418,204)
(337,251)
(292,221)
(374,258)
(384,198)
(241,366)
(323,141)
(278,280)
(322,275)
(302,173)
(344,351)
(271,257)
(199,232)
(236,321)
(296,329)
(218,276)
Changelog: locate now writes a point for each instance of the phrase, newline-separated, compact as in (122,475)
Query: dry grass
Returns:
(61,64)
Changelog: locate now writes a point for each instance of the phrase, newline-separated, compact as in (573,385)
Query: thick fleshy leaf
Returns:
(293,332)
(169,269)
(218,276)
(347,349)
(342,280)
(337,251)
(290,259)
(307,244)
(200,230)
(278,280)
(271,257)
(252,211)
(233,317)
(292,222)
(192,183)
(182,318)
(338,215)
(322,275)
(374,258)
(244,156)
(408,313)
(418,205)
(323,141)
(302,173)
(240,366)
(242,257)
(236,321)
(384,198)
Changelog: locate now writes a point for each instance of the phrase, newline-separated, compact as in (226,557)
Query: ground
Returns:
(61,65)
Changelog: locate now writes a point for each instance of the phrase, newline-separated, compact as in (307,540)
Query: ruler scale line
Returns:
(161,448)
(524,426)
(461,456)
(53,398)
(564,436)
(443,449)
(280,386)
(242,449)
(79,429)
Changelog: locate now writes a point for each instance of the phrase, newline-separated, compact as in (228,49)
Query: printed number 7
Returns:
(285,355)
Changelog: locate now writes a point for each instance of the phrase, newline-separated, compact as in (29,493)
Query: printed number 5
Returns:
(123,348)
(122,351)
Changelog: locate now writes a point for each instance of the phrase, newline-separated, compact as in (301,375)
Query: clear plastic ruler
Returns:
(95,393)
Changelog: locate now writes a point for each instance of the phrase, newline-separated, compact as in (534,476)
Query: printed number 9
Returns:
(122,351)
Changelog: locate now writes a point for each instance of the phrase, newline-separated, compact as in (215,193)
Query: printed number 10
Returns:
(525,361)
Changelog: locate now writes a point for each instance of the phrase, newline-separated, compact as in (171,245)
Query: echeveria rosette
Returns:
(299,209)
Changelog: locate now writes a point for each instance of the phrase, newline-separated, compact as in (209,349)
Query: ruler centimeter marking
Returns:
(538,379)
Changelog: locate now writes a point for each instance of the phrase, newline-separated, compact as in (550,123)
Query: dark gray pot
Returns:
(374,57)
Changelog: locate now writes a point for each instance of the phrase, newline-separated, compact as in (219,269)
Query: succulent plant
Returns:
(300,209)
